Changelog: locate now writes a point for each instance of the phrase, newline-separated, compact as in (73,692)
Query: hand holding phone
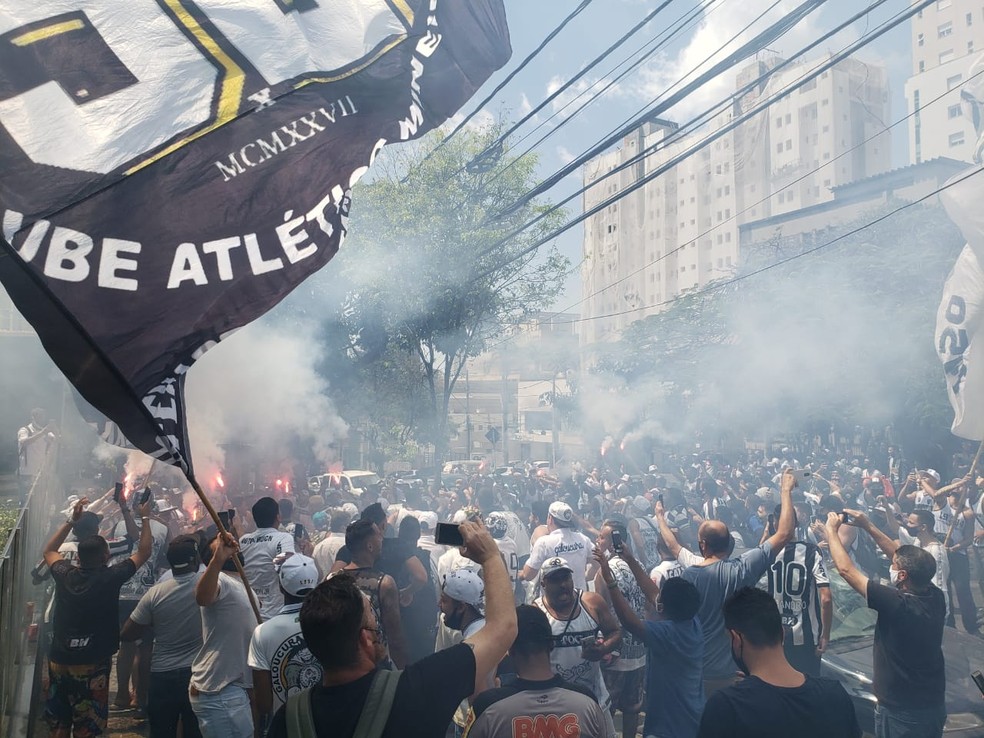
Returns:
(448,534)
(617,544)
(145,497)
(118,493)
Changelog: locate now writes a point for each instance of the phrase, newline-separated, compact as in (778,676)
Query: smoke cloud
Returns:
(260,387)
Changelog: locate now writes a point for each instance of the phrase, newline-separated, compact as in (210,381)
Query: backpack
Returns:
(372,721)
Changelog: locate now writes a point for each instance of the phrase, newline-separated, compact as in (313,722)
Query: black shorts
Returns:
(627,688)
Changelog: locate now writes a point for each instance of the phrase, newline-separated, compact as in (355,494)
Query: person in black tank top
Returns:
(365,543)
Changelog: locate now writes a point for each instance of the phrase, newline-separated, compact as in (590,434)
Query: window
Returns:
(946,56)
(779,122)
(789,144)
(782,197)
(789,118)
(944,30)
(954,81)
(954,111)
(727,260)
(943,4)
(970,19)
(922,66)
(727,238)
(956,139)
(779,147)
(920,40)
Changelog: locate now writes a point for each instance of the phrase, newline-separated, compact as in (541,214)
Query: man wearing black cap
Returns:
(169,615)
(539,702)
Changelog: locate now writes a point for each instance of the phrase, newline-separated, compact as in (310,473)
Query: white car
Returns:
(353,481)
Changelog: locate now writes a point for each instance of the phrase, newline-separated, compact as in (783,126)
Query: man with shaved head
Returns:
(717,577)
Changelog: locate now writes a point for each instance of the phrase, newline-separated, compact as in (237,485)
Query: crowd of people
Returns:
(672,604)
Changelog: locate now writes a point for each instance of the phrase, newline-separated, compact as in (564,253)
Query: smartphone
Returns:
(225,518)
(802,475)
(660,498)
(145,497)
(299,532)
(617,544)
(978,680)
(118,492)
(448,534)
(846,519)
(772,523)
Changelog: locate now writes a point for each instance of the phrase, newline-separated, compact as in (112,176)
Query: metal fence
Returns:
(22,604)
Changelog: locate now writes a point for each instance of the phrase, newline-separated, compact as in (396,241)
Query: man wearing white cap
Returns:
(462,605)
(281,662)
(584,630)
(561,540)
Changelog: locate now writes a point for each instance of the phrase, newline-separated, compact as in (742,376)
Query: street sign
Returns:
(493,435)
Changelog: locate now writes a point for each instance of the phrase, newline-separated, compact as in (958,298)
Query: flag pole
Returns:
(962,499)
(222,531)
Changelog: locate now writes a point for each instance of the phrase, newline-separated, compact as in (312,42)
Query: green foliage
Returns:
(428,280)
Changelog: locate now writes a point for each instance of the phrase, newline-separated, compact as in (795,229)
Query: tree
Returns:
(430,271)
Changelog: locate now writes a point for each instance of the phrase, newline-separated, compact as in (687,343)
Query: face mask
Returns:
(453,621)
(912,530)
(893,575)
(739,661)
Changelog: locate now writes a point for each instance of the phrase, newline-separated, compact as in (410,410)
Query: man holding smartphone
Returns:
(909,673)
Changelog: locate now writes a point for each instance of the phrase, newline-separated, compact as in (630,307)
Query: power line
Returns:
(494,148)
(642,181)
(550,37)
(742,277)
(684,23)
(761,41)
(826,164)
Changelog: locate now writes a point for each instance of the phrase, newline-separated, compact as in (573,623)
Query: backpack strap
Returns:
(376,711)
(300,719)
(372,720)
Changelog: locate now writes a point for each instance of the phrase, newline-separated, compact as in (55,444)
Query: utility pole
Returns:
(468,427)
(553,418)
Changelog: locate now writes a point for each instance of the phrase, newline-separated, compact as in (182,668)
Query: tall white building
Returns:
(946,38)
(680,230)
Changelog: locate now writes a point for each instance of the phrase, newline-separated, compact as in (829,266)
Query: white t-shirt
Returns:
(277,646)
(171,609)
(507,547)
(30,454)
(326,551)
(259,549)
(667,569)
(227,627)
(146,577)
(567,543)
(518,532)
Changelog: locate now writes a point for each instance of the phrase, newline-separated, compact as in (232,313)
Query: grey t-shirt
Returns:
(227,626)
(171,609)
(716,583)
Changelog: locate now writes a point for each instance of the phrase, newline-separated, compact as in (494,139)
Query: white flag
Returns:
(962,353)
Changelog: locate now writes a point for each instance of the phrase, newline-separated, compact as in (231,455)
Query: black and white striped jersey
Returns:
(792,579)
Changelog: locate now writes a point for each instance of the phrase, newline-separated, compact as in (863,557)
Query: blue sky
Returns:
(603,21)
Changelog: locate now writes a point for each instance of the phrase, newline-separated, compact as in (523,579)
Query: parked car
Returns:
(354,482)
(849,661)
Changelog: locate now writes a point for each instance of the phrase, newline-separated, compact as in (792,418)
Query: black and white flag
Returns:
(170,170)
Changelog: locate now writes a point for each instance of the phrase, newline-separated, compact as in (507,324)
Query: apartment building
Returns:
(680,231)
(947,37)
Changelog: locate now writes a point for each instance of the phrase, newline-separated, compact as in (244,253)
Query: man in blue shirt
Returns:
(675,649)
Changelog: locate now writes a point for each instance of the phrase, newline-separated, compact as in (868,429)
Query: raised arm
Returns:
(664,530)
(623,611)
(842,562)
(145,547)
(491,642)
(50,552)
(207,587)
(787,516)
(861,521)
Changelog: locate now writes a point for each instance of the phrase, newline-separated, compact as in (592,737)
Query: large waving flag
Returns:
(170,170)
